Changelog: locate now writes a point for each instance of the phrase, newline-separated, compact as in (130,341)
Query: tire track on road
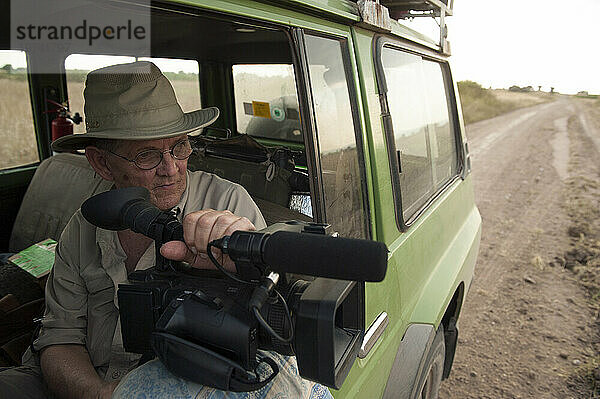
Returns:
(588,130)
(522,326)
(503,172)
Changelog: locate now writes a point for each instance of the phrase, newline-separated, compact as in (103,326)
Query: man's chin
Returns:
(166,197)
(165,201)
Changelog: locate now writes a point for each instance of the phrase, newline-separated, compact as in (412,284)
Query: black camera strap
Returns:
(199,364)
(253,386)
(246,385)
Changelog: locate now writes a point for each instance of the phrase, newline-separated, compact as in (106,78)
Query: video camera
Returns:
(207,326)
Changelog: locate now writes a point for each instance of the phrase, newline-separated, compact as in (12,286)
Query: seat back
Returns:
(58,188)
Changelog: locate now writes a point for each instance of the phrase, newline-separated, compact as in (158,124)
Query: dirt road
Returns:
(528,329)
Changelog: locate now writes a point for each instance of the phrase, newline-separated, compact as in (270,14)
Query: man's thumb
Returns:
(177,250)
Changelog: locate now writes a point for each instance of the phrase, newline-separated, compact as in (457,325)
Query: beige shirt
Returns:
(81,303)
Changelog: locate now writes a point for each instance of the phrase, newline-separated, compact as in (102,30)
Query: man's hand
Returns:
(200,228)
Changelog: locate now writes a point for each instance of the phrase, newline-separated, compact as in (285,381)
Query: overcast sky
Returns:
(527,42)
(523,42)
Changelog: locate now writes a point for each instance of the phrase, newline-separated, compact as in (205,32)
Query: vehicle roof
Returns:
(347,11)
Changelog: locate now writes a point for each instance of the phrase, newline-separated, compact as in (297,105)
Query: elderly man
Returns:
(136,136)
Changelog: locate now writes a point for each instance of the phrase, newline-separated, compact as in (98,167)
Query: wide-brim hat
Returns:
(132,101)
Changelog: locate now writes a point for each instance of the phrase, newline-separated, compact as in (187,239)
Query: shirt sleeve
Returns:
(65,317)
(242,204)
(207,190)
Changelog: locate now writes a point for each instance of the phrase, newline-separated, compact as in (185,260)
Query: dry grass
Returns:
(479,103)
(522,100)
(16,125)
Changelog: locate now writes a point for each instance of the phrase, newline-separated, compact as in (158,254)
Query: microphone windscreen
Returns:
(326,256)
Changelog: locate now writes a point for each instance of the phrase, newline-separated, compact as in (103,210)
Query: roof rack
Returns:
(404,9)
(408,9)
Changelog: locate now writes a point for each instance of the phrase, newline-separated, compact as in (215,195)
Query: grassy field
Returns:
(479,103)
(16,125)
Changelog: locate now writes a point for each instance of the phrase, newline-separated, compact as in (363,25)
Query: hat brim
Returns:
(188,123)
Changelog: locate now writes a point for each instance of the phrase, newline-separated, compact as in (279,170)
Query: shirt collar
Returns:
(180,207)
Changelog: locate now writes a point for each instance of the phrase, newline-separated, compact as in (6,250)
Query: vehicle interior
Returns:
(212,61)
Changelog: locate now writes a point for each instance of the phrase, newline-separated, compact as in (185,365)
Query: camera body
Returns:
(216,302)
(208,328)
(212,311)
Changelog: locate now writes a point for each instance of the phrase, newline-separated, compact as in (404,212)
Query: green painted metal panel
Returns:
(368,377)
(426,266)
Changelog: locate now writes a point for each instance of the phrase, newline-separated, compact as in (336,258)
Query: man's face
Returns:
(166,182)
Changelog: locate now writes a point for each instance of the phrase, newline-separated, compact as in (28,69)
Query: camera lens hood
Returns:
(106,209)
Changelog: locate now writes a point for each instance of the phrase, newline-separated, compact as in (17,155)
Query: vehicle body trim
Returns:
(373,334)
(408,364)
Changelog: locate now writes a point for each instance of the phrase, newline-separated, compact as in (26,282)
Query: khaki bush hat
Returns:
(132,102)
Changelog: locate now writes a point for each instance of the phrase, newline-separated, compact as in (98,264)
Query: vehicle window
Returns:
(266,104)
(441,134)
(17,130)
(340,157)
(424,139)
(183,75)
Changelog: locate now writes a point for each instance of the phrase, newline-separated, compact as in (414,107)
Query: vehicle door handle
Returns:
(372,334)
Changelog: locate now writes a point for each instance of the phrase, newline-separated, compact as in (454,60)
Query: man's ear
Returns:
(97,159)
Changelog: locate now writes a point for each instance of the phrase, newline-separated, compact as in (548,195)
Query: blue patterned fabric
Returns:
(152,381)
(4,257)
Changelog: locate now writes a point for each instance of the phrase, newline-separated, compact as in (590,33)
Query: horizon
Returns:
(522,44)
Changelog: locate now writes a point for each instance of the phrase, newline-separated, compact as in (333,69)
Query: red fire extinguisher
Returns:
(62,125)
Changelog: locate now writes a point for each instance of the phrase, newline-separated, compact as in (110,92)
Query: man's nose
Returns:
(168,165)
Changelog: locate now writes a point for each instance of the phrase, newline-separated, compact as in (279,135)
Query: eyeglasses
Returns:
(150,159)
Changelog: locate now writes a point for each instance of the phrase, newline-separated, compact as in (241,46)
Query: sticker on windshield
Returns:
(278,114)
(261,109)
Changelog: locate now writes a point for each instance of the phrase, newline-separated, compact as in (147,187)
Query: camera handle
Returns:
(162,263)
(165,228)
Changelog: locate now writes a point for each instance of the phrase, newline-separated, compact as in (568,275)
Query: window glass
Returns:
(406,100)
(342,185)
(266,104)
(183,75)
(17,132)
(441,134)
(423,135)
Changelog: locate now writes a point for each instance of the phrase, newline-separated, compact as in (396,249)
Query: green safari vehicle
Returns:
(331,111)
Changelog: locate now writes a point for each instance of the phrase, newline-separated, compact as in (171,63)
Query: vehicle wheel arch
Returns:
(450,321)
(411,359)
